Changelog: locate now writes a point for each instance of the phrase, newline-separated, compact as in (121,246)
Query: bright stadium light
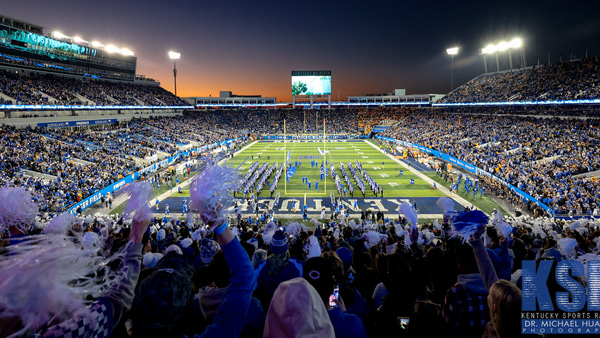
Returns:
(174,56)
(97,44)
(489,49)
(515,43)
(502,46)
(79,40)
(452,51)
(111,49)
(59,35)
(126,52)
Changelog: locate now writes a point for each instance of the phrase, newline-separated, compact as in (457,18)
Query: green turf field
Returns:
(381,168)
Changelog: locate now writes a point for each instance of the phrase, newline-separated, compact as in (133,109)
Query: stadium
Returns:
(205,215)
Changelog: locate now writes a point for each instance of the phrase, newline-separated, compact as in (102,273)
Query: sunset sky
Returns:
(251,47)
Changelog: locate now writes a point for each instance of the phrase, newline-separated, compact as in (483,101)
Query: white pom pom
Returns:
(70,276)
(90,241)
(583,231)
(60,224)
(503,229)
(211,193)
(314,250)
(293,229)
(372,238)
(138,203)
(17,209)
(567,246)
(537,230)
(409,212)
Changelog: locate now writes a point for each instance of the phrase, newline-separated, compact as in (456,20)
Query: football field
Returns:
(383,170)
(398,181)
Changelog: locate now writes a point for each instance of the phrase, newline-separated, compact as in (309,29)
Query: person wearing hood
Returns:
(466,309)
(298,312)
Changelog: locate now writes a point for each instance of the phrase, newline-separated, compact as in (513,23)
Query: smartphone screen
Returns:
(334,296)
(403,322)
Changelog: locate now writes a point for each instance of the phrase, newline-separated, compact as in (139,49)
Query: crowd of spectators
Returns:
(65,165)
(543,110)
(544,157)
(298,121)
(75,171)
(394,277)
(569,80)
(53,89)
(368,118)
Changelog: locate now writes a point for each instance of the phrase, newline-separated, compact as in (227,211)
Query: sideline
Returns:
(441,188)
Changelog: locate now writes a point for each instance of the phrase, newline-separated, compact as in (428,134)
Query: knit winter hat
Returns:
(208,248)
(346,256)
(279,243)
(161,299)
(259,257)
(318,271)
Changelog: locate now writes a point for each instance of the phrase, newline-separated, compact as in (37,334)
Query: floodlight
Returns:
(58,35)
(111,49)
(174,55)
(126,52)
(516,43)
(452,51)
(97,44)
(502,46)
(489,49)
(79,40)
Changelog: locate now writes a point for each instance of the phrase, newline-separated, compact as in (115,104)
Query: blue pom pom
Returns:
(466,223)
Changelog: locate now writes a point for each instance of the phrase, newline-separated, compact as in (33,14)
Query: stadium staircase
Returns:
(138,101)
(32,173)
(111,99)
(7,98)
(81,162)
(83,99)
(49,98)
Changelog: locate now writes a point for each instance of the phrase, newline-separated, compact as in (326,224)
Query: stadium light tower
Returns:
(515,43)
(175,56)
(452,51)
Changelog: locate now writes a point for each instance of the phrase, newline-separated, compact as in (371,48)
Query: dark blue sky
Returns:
(371,47)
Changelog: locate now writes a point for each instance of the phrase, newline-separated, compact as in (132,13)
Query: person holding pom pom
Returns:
(504,298)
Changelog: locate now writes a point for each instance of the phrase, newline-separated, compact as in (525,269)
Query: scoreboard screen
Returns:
(311,82)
